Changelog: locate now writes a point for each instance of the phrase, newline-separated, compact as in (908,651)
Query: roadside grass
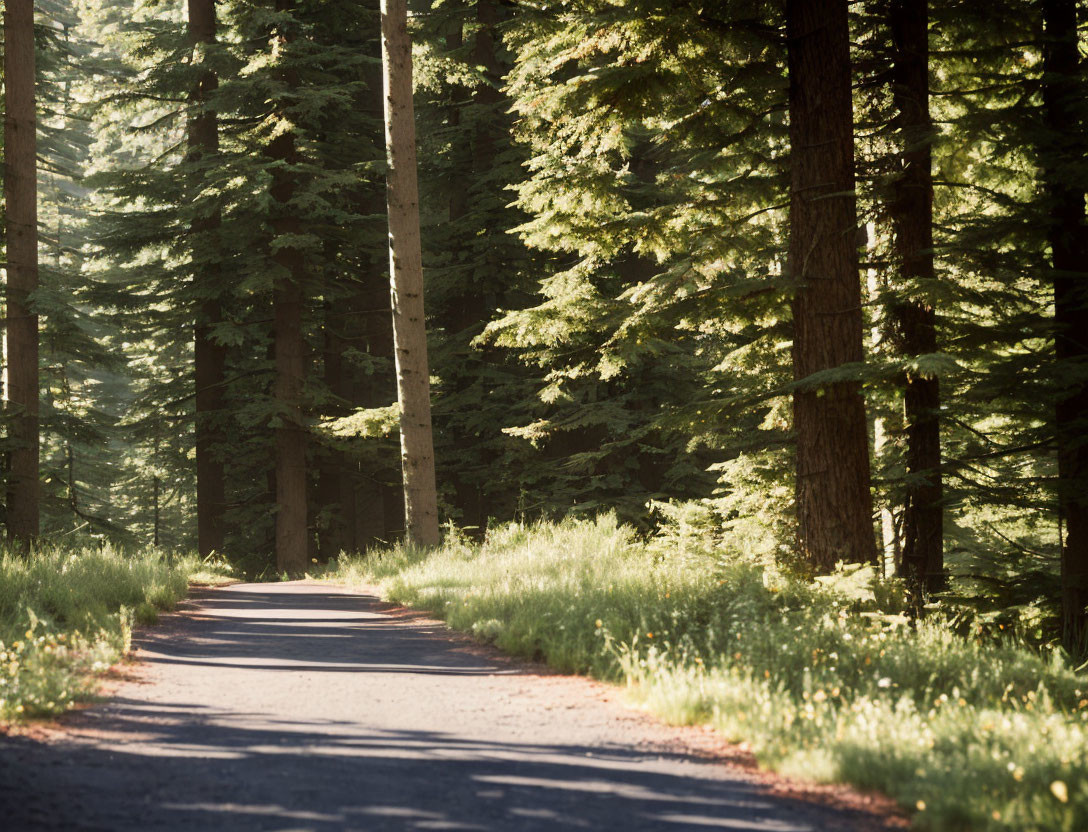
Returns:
(67,614)
(825,680)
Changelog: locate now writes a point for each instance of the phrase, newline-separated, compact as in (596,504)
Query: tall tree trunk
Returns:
(890,548)
(209,356)
(289,344)
(834,503)
(21,218)
(915,320)
(1063,146)
(406,281)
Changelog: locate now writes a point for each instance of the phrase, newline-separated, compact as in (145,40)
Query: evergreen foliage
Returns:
(605,193)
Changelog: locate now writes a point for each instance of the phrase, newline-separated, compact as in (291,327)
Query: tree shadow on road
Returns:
(144,765)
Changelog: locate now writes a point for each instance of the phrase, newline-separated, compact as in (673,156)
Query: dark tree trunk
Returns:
(406,281)
(915,320)
(834,503)
(1064,146)
(21,221)
(209,356)
(292,547)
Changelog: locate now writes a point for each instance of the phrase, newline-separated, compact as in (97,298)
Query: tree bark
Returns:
(915,320)
(209,357)
(287,305)
(406,281)
(834,503)
(21,219)
(1064,146)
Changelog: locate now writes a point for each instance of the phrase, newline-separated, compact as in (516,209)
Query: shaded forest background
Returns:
(606,212)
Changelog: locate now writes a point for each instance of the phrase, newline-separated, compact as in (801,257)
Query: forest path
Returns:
(303,706)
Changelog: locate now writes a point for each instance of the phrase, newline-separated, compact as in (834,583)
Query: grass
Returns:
(68,614)
(826,680)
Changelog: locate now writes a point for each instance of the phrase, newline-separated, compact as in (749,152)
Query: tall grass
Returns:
(827,679)
(68,613)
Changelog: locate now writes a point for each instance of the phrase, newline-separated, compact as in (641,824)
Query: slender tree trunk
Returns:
(406,281)
(834,503)
(292,548)
(915,320)
(21,218)
(1068,236)
(209,356)
(890,545)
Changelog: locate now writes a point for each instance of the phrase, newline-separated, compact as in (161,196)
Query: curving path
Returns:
(302,706)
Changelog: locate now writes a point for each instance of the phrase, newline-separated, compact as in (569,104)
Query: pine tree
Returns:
(914,318)
(21,226)
(1061,150)
(406,280)
(287,310)
(209,356)
(834,504)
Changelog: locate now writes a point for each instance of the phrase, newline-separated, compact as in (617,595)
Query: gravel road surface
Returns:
(303,706)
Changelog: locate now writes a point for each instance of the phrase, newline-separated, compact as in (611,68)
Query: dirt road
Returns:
(300,706)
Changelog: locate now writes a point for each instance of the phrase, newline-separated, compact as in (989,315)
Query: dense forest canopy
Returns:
(808,276)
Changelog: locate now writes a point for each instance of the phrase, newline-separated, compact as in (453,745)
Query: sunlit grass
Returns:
(66,614)
(824,680)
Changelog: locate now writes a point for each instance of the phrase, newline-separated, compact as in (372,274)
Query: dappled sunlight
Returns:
(322,710)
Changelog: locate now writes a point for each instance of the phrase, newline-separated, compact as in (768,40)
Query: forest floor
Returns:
(304,706)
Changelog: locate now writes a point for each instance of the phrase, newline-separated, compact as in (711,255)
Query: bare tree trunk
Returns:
(406,281)
(890,547)
(292,548)
(209,356)
(915,320)
(21,218)
(834,503)
(1068,236)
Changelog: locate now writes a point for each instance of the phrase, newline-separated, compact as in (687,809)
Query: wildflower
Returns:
(921,805)
(649,635)
(1060,791)
(599,623)
(884,683)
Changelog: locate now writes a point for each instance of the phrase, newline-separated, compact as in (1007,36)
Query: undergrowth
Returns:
(66,614)
(826,679)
